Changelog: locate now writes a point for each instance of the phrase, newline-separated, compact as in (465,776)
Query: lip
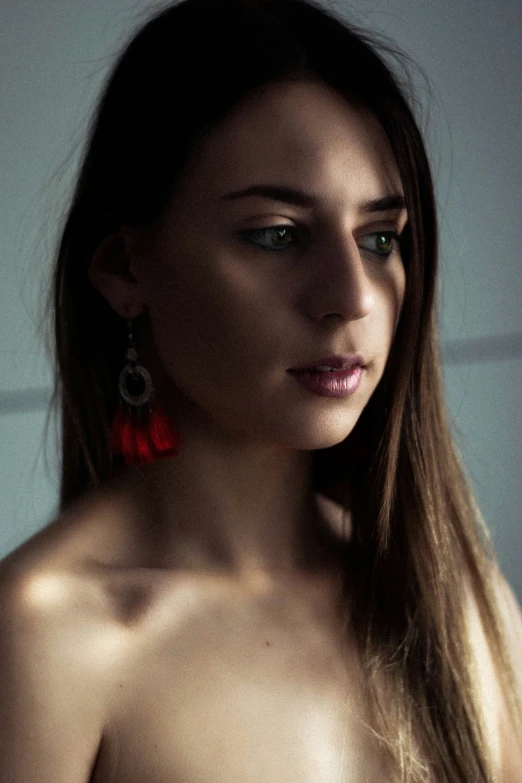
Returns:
(337,362)
(340,383)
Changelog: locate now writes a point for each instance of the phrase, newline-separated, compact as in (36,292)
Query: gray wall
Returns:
(54,56)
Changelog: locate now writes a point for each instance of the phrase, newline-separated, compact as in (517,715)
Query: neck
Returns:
(226,505)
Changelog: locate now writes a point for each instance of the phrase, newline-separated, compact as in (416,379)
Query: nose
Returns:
(339,281)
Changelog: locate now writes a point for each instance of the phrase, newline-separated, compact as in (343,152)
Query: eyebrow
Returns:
(302,199)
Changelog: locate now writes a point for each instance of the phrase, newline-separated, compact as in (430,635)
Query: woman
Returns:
(260,572)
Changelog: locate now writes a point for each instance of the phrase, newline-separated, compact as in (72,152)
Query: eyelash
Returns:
(393,235)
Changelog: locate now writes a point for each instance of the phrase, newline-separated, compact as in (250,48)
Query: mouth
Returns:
(330,382)
(336,363)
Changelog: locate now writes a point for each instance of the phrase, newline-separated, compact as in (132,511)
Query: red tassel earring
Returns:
(141,430)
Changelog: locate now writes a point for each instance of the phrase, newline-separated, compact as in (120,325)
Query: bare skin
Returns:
(182,624)
(179,675)
(121,672)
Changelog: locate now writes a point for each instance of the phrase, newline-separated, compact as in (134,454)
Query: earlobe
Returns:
(110,273)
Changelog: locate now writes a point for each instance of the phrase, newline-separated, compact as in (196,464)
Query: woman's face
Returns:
(233,304)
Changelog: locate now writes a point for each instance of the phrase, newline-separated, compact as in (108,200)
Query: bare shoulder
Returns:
(510,739)
(505,746)
(59,589)
(58,650)
(511,615)
(511,620)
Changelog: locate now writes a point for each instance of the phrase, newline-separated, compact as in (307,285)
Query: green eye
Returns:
(383,243)
(277,236)
(387,241)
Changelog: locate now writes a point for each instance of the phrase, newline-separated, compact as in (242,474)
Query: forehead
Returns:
(303,134)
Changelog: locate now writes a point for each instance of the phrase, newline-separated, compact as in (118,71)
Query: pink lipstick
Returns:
(330,383)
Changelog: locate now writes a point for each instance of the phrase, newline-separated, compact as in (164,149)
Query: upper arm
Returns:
(51,710)
(511,616)
(504,744)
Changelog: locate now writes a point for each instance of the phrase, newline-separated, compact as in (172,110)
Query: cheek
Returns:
(395,294)
(210,320)
(391,302)
(185,316)
(400,292)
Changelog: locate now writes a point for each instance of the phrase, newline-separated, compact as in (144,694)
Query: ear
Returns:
(110,273)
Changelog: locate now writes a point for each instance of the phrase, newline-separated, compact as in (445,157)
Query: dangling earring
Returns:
(141,430)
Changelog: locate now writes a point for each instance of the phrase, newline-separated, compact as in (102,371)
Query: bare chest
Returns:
(241,694)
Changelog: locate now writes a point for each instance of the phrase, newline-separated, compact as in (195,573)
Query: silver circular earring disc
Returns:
(146,395)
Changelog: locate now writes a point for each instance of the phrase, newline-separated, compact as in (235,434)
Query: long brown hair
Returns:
(416,527)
